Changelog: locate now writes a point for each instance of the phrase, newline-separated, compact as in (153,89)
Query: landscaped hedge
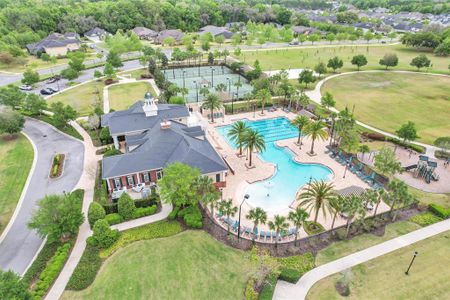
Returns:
(144,211)
(38,265)
(414,147)
(113,219)
(312,228)
(51,271)
(244,107)
(86,270)
(146,232)
(293,267)
(425,219)
(192,216)
(57,165)
(111,208)
(439,210)
(441,154)
(268,287)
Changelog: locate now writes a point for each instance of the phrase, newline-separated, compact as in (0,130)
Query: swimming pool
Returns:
(278,192)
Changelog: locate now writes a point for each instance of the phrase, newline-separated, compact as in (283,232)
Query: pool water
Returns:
(278,192)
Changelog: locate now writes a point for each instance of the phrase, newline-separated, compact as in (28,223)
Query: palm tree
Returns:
(353,206)
(298,218)
(258,216)
(204,91)
(207,191)
(237,84)
(333,116)
(227,208)
(317,195)
(371,197)
(253,140)
(236,134)
(212,102)
(364,149)
(279,225)
(336,204)
(300,122)
(264,96)
(316,130)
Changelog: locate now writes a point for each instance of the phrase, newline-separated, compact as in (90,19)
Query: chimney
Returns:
(165,124)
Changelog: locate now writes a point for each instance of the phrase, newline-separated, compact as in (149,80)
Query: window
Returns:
(146,177)
(159,174)
(130,180)
(117,183)
(218,177)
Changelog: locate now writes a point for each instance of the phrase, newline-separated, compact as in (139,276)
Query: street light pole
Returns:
(410,264)
(184,83)
(346,167)
(239,222)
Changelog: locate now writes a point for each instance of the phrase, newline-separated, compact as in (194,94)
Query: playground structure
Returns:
(425,168)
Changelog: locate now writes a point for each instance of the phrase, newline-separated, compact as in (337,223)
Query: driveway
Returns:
(21,244)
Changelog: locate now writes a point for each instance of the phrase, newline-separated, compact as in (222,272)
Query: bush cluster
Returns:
(125,206)
(38,265)
(425,219)
(374,136)
(146,232)
(250,293)
(152,200)
(293,267)
(103,235)
(312,228)
(56,163)
(414,147)
(95,213)
(269,287)
(113,219)
(439,210)
(51,271)
(192,216)
(86,270)
(144,211)
(442,154)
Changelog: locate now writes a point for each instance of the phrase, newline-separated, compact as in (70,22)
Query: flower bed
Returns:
(312,228)
(57,165)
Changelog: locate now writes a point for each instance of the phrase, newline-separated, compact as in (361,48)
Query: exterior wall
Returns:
(61,51)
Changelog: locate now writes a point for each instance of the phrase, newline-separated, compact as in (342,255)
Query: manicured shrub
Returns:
(414,147)
(144,211)
(441,154)
(145,202)
(192,216)
(103,236)
(51,271)
(38,265)
(439,210)
(110,208)
(146,232)
(312,228)
(111,151)
(113,219)
(174,213)
(12,287)
(293,267)
(86,270)
(125,206)
(425,219)
(290,275)
(95,212)
(375,136)
(105,136)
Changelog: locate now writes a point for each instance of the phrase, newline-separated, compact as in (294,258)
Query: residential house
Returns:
(152,136)
(96,34)
(145,33)
(304,30)
(56,44)
(216,31)
(176,34)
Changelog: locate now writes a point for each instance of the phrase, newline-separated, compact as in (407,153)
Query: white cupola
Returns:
(150,108)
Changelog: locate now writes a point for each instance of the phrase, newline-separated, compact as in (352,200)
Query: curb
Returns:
(24,189)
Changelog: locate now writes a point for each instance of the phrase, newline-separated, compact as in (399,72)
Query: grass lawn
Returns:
(309,57)
(123,95)
(388,100)
(427,198)
(190,265)
(384,278)
(82,98)
(31,62)
(346,247)
(16,158)
(136,74)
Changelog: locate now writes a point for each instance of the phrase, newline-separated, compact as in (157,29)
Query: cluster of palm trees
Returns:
(212,102)
(321,196)
(314,129)
(246,138)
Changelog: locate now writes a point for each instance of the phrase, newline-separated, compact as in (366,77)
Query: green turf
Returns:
(16,158)
(308,57)
(388,100)
(123,95)
(190,265)
(346,247)
(82,97)
(384,277)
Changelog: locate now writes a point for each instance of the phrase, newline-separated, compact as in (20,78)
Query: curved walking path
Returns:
(315,96)
(285,290)
(18,244)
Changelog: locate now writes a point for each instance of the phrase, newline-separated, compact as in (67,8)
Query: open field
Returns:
(16,158)
(346,247)
(308,57)
(384,277)
(388,100)
(123,95)
(190,265)
(82,98)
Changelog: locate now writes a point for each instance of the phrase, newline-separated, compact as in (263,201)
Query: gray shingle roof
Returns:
(53,40)
(96,31)
(159,147)
(215,31)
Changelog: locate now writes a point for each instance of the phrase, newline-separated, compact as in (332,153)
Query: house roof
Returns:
(215,31)
(175,33)
(157,147)
(134,119)
(96,31)
(304,29)
(143,31)
(54,40)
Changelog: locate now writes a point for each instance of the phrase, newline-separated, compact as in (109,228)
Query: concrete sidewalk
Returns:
(285,290)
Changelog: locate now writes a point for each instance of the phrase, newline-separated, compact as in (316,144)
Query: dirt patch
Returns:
(342,288)
(9,137)
(379,84)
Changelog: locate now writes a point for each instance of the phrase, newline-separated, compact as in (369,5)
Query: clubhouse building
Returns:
(151,136)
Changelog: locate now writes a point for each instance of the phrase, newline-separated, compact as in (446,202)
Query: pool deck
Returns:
(237,183)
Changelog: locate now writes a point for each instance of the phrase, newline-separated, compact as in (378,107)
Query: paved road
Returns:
(21,244)
(288,291)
